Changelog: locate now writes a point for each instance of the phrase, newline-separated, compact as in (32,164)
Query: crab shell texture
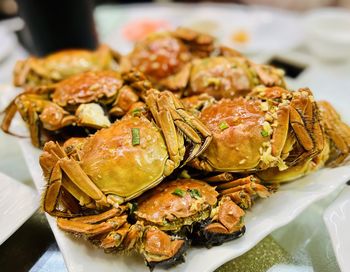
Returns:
(252,134)
(337,133)
(87,87)
(63,64)
(119,163)
(165,56)
(106,157)
(169,211)
(275,175)
(229,77)
(171,206)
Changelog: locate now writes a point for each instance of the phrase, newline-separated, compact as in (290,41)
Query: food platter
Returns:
(303,140)
(266,216)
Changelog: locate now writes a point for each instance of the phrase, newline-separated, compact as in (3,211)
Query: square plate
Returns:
(17,203)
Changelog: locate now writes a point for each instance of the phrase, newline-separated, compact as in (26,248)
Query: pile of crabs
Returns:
(169,145)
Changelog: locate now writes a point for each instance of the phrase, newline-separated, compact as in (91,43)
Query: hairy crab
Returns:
(229,77)
(165,57)
(335,152)
(63,64)
(79,100)
(164,221)
(272,127)
(96,170)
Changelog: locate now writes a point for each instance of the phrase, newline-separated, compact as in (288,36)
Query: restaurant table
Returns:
(302,245)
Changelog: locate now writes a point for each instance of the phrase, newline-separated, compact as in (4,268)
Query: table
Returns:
(302,245)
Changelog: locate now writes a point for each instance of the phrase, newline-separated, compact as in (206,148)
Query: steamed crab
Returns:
(78,100)
(63,64)
(229,77)
(164,222)
(272,127)
(96,170)
(165,57)
(335,152)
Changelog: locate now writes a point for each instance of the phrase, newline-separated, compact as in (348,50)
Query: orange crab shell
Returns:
(106,157)
(219,77)
(60,65)
(165,202)
(229,77)
(236,126)
(159,55)
(87,87)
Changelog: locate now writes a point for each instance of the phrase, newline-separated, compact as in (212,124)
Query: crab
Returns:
(335,151)
(337,132)
(272,127)
(229,77)
(165,57)
(77,100)
(63,64)
(163,221)
(96,170)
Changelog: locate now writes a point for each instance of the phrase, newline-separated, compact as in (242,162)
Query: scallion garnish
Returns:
(264,133)
(178,192)
(135,132)
(223,125)
(194,193)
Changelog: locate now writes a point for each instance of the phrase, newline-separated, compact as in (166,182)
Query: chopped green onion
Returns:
(135,136)
(223,125)
(264,133)
(178,192)
(136,112)
(132,207)
(194,193)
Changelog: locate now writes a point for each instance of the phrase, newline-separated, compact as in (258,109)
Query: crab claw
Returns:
(161,249)
(226,223)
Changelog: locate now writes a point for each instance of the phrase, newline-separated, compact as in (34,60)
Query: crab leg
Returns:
(223,177)
(53,190)
(301,132)
(242,190)
(73,170)
(228,219)
(10,112)
(91,229)
(125,98)
(167,113)
(280,133)
(336,130)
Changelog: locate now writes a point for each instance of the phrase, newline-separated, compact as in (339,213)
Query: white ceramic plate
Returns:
(266,216)
(17,203)
(337,219)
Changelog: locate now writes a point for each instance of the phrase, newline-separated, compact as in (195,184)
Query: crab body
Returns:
(61,65)
(96,170)
(165,57)
(78,100)
(167,218)
(271,128)
(229,77)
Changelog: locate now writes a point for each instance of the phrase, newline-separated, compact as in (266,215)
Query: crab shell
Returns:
(86,88)
(272,127)
(192,208)
(236,147)
(165,57)
(106,158)
(61,65)
(168,211)
(229,77)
